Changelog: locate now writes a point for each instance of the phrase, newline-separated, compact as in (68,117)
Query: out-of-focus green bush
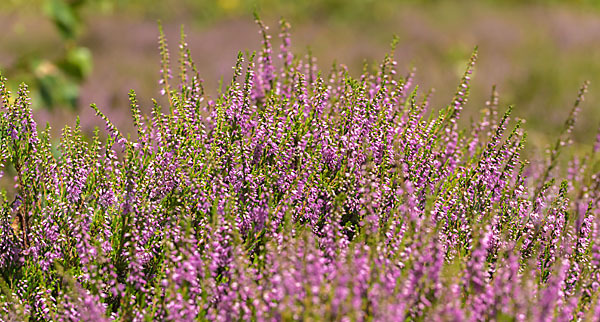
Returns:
(56,73)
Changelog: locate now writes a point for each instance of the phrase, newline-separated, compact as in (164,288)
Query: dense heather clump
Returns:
(296,195)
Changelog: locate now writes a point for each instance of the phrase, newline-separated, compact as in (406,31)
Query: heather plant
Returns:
(296,194)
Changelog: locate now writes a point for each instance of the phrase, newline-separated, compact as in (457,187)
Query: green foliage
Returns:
(57,74)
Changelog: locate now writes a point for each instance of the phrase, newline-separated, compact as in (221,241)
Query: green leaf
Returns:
(64,17)
(78,63)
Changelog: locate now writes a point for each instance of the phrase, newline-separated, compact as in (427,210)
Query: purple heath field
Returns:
(296,191)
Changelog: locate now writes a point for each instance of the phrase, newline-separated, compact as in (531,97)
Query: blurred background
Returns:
(538,53)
